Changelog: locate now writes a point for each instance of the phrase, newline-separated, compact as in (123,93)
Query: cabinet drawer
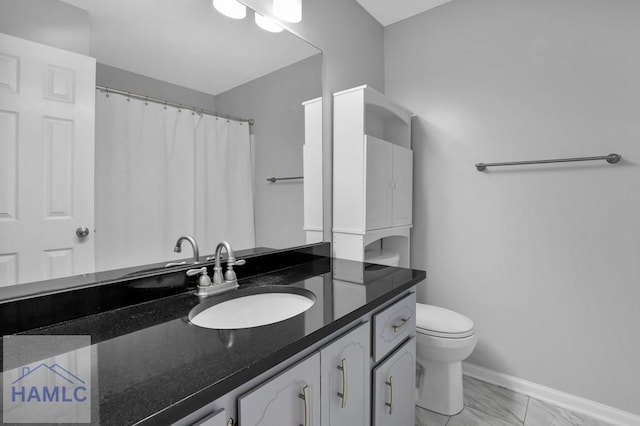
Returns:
(393,326)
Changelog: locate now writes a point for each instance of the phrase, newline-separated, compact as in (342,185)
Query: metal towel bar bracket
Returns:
(611,159)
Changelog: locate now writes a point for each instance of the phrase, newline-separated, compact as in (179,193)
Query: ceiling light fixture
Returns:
(231,8)
(267,23)
(288,10)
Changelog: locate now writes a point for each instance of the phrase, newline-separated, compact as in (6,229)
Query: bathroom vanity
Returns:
(349,359)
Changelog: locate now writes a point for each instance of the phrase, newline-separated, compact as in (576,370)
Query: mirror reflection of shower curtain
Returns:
(161,173)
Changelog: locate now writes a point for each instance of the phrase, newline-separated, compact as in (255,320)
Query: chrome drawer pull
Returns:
(404,322)
(343,367)
(390,403)
(306,397)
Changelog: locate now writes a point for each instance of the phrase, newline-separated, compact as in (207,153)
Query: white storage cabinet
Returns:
(373,178)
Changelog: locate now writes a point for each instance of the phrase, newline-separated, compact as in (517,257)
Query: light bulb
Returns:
(231,8)
(267,23)
(288,10)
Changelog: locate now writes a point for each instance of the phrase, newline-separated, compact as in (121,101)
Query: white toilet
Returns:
(444,339)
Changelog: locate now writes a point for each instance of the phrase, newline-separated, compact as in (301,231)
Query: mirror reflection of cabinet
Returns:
(312,170)
(373,178)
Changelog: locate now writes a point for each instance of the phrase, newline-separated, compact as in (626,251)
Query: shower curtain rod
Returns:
(108,90)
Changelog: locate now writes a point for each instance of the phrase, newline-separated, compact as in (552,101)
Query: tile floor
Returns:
(490,405)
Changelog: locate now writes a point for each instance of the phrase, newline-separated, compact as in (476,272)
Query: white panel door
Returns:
(378,182)
(402,186)
(47,103)
(346,379)
(292,398)
(394,388)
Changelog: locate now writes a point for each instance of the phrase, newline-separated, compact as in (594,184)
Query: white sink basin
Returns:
(252,310)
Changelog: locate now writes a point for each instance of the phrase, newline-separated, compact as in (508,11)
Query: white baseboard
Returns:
(561,399)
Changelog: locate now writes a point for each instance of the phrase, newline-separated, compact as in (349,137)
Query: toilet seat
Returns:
(440,322)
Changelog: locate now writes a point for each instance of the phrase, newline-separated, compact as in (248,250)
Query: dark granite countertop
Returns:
(154,367)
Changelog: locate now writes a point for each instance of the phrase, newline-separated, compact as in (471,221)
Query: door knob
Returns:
(82,232)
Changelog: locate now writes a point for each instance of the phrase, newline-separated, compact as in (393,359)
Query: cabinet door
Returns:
(394,383)
(291,398)
(402,186)
(345,375)
(378,183)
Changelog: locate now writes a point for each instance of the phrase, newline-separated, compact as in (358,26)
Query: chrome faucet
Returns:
(229,275)
(194,245)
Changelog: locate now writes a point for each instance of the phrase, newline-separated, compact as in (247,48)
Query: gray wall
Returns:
(352,43)
(49,22)
(544,259)
(116,78)
(275,103)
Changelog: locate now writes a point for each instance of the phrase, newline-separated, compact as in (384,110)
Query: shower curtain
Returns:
(163,172)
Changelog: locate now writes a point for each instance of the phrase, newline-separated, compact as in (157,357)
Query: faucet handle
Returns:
(171,264)
(204,282)
(192,272)
(239,262)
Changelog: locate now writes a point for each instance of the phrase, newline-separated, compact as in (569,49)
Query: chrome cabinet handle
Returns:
(343,367)
(404,322)
(306,397)
(82,232)
(390,403)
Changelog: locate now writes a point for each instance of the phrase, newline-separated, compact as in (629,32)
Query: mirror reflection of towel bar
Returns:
(611,159)
(275,179)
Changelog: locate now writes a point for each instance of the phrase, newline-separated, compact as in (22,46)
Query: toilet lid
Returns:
(442,322)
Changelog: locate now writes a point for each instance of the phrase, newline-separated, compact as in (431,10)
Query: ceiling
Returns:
(187,42)
(388,12)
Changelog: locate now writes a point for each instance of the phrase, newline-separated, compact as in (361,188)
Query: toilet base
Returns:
(439,387)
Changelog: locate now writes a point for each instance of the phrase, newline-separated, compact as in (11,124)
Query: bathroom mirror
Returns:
(185,53)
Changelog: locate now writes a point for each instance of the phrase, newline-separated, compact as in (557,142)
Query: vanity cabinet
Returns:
(373,178)
(292,397)
(345,377)
(365,369)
